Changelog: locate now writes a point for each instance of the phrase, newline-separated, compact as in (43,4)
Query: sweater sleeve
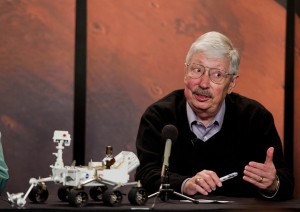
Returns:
(285,176)
(150,150)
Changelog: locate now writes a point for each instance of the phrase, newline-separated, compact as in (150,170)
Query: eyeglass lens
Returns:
(196,71)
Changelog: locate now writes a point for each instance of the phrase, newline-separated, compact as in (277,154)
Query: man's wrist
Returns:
(182,185)
(274,187)
(271,192)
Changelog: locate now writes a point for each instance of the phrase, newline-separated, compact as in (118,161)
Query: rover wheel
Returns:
(137,196)
(96,192)
(39,193)
(112,198)
(78,198)
(63,193)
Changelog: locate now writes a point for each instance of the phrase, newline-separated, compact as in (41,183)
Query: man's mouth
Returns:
(202,98)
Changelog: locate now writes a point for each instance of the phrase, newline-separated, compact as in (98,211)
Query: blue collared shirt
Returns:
(202,132)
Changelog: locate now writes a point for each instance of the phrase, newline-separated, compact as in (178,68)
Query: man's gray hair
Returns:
(216,45)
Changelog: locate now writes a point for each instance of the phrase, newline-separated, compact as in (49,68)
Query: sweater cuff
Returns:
(272,195)
(183,183)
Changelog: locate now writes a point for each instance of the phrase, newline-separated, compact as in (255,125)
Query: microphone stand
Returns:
(165,190)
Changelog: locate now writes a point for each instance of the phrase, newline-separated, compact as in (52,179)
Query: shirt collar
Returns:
(219,118)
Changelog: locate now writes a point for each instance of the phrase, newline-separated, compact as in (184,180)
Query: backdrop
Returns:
(137,49)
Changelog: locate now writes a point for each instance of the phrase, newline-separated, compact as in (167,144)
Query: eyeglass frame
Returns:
(208,70)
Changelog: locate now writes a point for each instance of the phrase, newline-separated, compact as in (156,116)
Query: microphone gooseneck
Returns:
(169,134)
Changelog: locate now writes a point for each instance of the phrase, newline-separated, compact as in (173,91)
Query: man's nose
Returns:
(204,79)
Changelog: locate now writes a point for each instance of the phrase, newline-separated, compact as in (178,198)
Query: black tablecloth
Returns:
(234,204)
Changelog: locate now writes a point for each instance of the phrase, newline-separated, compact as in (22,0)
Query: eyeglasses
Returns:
(216,75)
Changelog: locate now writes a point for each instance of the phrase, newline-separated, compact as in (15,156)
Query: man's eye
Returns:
(196,70)
(218,74)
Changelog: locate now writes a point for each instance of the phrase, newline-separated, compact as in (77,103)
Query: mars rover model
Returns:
(73,179)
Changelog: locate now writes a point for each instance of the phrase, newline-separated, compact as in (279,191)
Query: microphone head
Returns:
(169,132)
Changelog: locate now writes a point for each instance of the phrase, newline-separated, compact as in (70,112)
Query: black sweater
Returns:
(247,132)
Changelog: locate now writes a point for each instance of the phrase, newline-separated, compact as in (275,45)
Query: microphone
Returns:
(169,134)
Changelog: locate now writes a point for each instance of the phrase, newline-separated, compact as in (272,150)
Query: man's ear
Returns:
(185,79)
(232,83)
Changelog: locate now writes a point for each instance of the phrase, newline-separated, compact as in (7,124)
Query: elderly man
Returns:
(219,132)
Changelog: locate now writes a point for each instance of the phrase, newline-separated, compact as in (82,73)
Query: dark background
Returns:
(135,55)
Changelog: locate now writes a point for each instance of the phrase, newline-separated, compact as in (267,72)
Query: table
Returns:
(235,204)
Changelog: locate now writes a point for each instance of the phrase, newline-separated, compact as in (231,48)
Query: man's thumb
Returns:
(269,156)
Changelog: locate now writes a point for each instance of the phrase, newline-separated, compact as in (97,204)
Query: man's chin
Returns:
(202,106)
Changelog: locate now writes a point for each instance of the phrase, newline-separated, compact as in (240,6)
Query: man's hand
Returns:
(262,175)
(203,182)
